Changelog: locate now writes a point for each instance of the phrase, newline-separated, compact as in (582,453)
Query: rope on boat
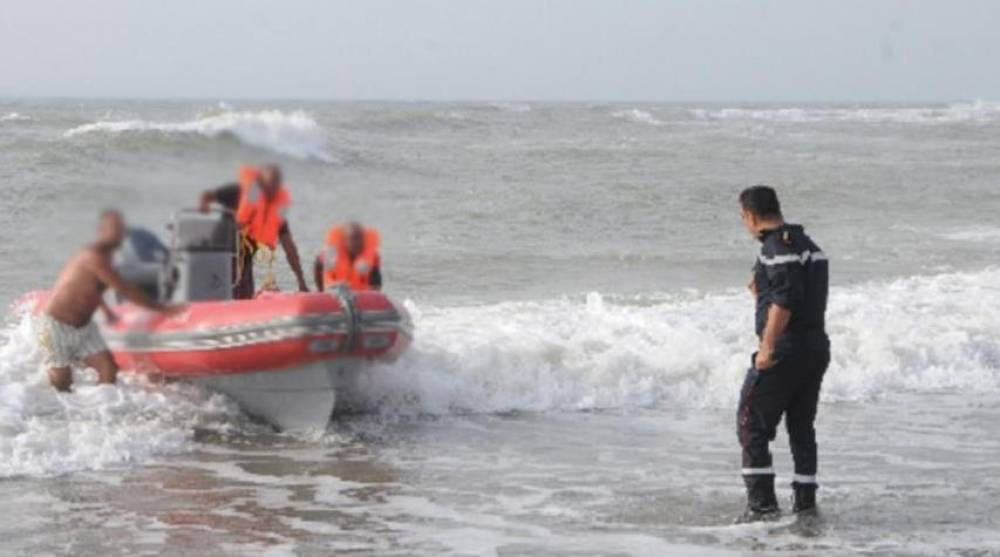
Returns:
(244,245)
(267,255)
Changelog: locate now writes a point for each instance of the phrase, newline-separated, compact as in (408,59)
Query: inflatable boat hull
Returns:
(282,357)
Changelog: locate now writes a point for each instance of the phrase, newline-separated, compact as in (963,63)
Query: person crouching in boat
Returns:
(68,334)
(260,203)
(351,257)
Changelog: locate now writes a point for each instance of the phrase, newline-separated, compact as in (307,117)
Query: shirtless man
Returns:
(68,333)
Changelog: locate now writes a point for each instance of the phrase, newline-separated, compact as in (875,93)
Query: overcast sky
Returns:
(725,50)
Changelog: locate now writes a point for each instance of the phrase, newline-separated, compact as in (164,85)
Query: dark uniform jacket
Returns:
(792,272)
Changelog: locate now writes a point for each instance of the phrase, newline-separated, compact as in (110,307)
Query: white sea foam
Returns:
(924,334)
(978,111)
(638,116)
(15,117)
(45,433)
(918,334)
(295,134)
(974,234)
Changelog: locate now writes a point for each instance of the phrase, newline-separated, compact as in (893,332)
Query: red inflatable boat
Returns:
(273,331)
(281,356)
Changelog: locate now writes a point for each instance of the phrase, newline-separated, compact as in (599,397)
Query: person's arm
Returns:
(292,254)
(777,321)
(786,290)
(318,273)
(205,203)
(106,273)
(375,280)
(109,315)
(228,196)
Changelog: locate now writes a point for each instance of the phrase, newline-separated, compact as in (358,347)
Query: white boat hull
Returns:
(296,399)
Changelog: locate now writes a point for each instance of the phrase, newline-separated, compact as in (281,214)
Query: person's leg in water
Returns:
(763,400)
(58,342)
(800,421)
(104,363)
(61,378)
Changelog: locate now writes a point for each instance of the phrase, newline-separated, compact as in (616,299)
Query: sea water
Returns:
(575,273)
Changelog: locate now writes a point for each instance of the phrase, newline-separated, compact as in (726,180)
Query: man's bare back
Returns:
(79,290)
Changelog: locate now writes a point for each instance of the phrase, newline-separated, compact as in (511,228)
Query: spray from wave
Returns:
(295,134)
(975,112)
(921,334)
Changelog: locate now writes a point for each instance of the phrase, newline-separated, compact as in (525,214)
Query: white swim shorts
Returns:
(66,345)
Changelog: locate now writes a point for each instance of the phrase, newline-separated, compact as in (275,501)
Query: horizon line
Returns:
(480,100)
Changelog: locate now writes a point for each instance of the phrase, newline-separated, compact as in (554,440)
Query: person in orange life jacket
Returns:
(351,257)
(258,202)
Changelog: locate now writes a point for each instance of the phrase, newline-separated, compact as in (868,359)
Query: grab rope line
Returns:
(267,255)
(261,254)
(244,245)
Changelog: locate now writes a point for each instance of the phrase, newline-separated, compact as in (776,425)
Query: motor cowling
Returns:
(141,261)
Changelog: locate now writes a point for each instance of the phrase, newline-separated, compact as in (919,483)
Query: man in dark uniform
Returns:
(790,284)
(228,196)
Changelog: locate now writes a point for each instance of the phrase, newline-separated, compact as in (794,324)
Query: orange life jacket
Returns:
(339,268)
(258,217)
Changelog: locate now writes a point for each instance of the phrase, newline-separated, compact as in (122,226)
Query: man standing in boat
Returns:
(68,334)
(259,202)
(790,284)
(351,257)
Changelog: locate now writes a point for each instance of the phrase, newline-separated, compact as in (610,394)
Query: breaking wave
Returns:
(511,107)
(295,134)
(638,116)
(921,334)
(978,111)
(15,117)
(984,234)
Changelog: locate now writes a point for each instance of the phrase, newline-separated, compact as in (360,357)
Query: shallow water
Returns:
(597,483)
(575,274)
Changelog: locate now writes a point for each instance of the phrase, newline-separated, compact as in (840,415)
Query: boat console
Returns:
(198,265)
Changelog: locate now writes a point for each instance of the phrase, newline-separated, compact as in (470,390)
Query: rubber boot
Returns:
(762,503)
(805,498)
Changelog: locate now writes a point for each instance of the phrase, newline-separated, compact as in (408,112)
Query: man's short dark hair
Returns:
(761,201)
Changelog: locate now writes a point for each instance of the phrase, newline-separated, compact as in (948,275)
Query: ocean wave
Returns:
(974,234)
(638,116)
(511,107)
(974,112)
(295,134)
(921,334)
(15,117)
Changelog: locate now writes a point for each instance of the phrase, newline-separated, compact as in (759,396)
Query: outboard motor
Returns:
(203,250)
(142,261)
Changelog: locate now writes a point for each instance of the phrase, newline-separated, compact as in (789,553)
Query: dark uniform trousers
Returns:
(790,388)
